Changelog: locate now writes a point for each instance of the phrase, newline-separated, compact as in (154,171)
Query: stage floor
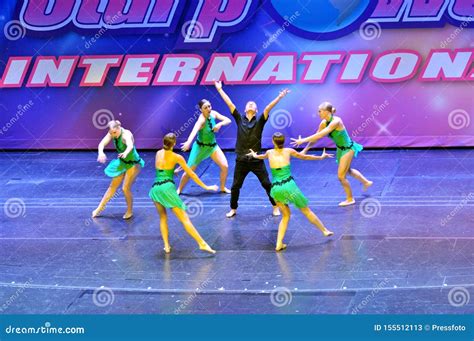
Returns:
(407,246)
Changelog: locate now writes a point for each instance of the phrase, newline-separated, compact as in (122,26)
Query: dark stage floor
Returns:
(408,248)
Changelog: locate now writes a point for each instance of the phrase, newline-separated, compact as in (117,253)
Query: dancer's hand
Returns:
(218,85)
(178,170)
(284,92)
(212,188)
(102,158)
(297,142)
(217,127)
(325,155)
(122,155)
(252,154)
(185,146)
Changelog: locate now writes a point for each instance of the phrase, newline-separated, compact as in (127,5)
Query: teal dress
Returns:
(284,188)
(205,143)
(164,190)
(343,142)
(119,166)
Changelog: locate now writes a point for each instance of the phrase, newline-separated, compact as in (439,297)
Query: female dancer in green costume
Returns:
(163,193)
(126,167)
(284,189)
(346,148)
(205,145)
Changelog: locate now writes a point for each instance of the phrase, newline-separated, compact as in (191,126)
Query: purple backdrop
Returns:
(415,90)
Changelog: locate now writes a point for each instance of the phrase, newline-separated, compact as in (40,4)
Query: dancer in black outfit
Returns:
(249,136)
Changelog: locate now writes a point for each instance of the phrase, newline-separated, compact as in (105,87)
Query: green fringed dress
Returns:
(119,166)
(284,188)
(343,142)
(205,143)
(164,190)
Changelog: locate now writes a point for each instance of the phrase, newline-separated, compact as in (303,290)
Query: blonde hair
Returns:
(327,106)
(114,124)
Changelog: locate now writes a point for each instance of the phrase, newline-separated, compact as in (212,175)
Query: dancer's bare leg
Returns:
(114,184)
(130,177)
(163,226)
(285,210)
(344,165)
(313,219)
(189,227)
(184,180)
(359,176)
(219,158)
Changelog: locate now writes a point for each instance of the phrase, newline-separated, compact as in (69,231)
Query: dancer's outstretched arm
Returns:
(302,156)
(225,97)
(322,125)
(224,120)
(193,175)
(257,156)
(317,136)
(197,126)
(270,106)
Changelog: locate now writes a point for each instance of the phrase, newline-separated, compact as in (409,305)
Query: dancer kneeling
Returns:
(164,195)
(284,189)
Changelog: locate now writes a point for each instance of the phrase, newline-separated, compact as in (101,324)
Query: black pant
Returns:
(242,168)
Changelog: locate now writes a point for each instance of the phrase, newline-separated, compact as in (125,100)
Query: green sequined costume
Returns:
(284,188)
(343,142)
(119,166)
(205,143)
(164,190)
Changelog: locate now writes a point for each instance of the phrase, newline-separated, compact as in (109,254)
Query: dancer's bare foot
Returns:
(367,185)
(167,249)
(276,211)
(231,213)
(347,202)
(178,191)
(225,190)
(127,215)
(328,233)
(97,212)
(280,247)
(207,248)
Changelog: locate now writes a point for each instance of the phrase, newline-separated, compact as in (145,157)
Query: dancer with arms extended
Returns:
(205,145)
(249,136)
(284,188)
(346,149)
(125,168)
(163,193)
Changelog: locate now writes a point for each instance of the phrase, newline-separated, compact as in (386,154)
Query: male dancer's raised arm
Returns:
(225,97)
(272,104)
